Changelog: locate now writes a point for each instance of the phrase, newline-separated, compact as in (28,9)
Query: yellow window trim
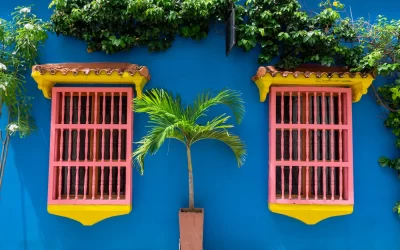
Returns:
(89,215)
(310,214)
(47,75)
(268,76)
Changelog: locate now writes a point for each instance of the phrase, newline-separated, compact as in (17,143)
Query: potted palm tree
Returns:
(170,119)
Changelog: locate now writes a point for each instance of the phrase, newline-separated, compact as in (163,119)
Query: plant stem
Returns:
(191,189)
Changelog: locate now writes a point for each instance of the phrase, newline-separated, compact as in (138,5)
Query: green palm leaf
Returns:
(170,120)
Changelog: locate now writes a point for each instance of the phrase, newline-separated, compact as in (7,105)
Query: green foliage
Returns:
(382,48)
(381,40)
(171,119)
(282,29)
(118,25)
(20,40)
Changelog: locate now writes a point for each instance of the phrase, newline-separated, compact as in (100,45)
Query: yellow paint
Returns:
(89,215)
(358,84)
(310,214)
(46,81)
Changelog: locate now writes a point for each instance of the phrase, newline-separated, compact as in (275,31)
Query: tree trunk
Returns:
(191,189)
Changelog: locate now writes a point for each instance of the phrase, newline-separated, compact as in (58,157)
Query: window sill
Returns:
(89,215)
(310,214)
(313,76)
(48,75)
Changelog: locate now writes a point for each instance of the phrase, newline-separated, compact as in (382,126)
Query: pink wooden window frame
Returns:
(303,163)
(96,164)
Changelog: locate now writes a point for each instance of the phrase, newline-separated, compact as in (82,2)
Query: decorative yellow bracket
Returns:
(310,214)
(48,75)
(329,77)
(88,215)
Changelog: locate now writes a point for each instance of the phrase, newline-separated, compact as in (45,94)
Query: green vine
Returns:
(381,41)
(280,28)
(118,25)
(283,30)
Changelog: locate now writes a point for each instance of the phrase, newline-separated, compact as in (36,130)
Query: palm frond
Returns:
(160,106)
(227,97)
(152,142)
(233,141)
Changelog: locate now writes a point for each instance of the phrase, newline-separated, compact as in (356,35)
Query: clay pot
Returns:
(191,228)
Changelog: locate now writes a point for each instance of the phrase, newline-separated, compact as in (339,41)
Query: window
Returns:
(91,138)
(310,146)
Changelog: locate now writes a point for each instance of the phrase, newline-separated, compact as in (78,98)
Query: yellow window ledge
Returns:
(47,75)
(319,77)
(310,214)
(89,215)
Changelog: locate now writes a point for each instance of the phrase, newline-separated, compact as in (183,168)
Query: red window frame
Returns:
(96,166)
(310,152)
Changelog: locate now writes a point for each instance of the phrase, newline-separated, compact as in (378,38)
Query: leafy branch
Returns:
(20,40)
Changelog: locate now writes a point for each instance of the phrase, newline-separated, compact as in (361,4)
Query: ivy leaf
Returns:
(384,161)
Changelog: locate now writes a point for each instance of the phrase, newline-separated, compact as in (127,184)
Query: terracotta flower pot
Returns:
(191,228)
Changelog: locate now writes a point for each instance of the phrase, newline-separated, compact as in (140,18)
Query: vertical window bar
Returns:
(119,183)
(307,146)
(85,184)
(324,146)
(315,153)
(290,182)
(79,109)
(102,183)
(340,130)
(94,157)
(87,132)
(119,151)
(332,183)
(298,109)
(299,184)
(283,182)
(282,108)
(68,181)
(59,181)
(71,104)
(298,145)
(315,108)
(307,182)
(315,182)
(341,183)
(87,107)
(93,183)
(323,109)
(290,107)
(110,183)
(76,181)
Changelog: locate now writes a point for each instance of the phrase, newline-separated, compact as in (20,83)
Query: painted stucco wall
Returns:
(235,200)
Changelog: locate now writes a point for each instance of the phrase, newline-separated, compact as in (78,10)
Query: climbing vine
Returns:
(284,30)
(118,25)
(280,28)
(381,41)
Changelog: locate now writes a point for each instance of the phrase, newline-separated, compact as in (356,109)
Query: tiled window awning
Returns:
(48,75)
(317,76)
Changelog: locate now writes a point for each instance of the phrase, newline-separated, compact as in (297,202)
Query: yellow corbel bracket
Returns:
(360,89)
(263,87)
(48,75)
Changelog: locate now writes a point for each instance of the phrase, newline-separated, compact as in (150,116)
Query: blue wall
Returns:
(235,200)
